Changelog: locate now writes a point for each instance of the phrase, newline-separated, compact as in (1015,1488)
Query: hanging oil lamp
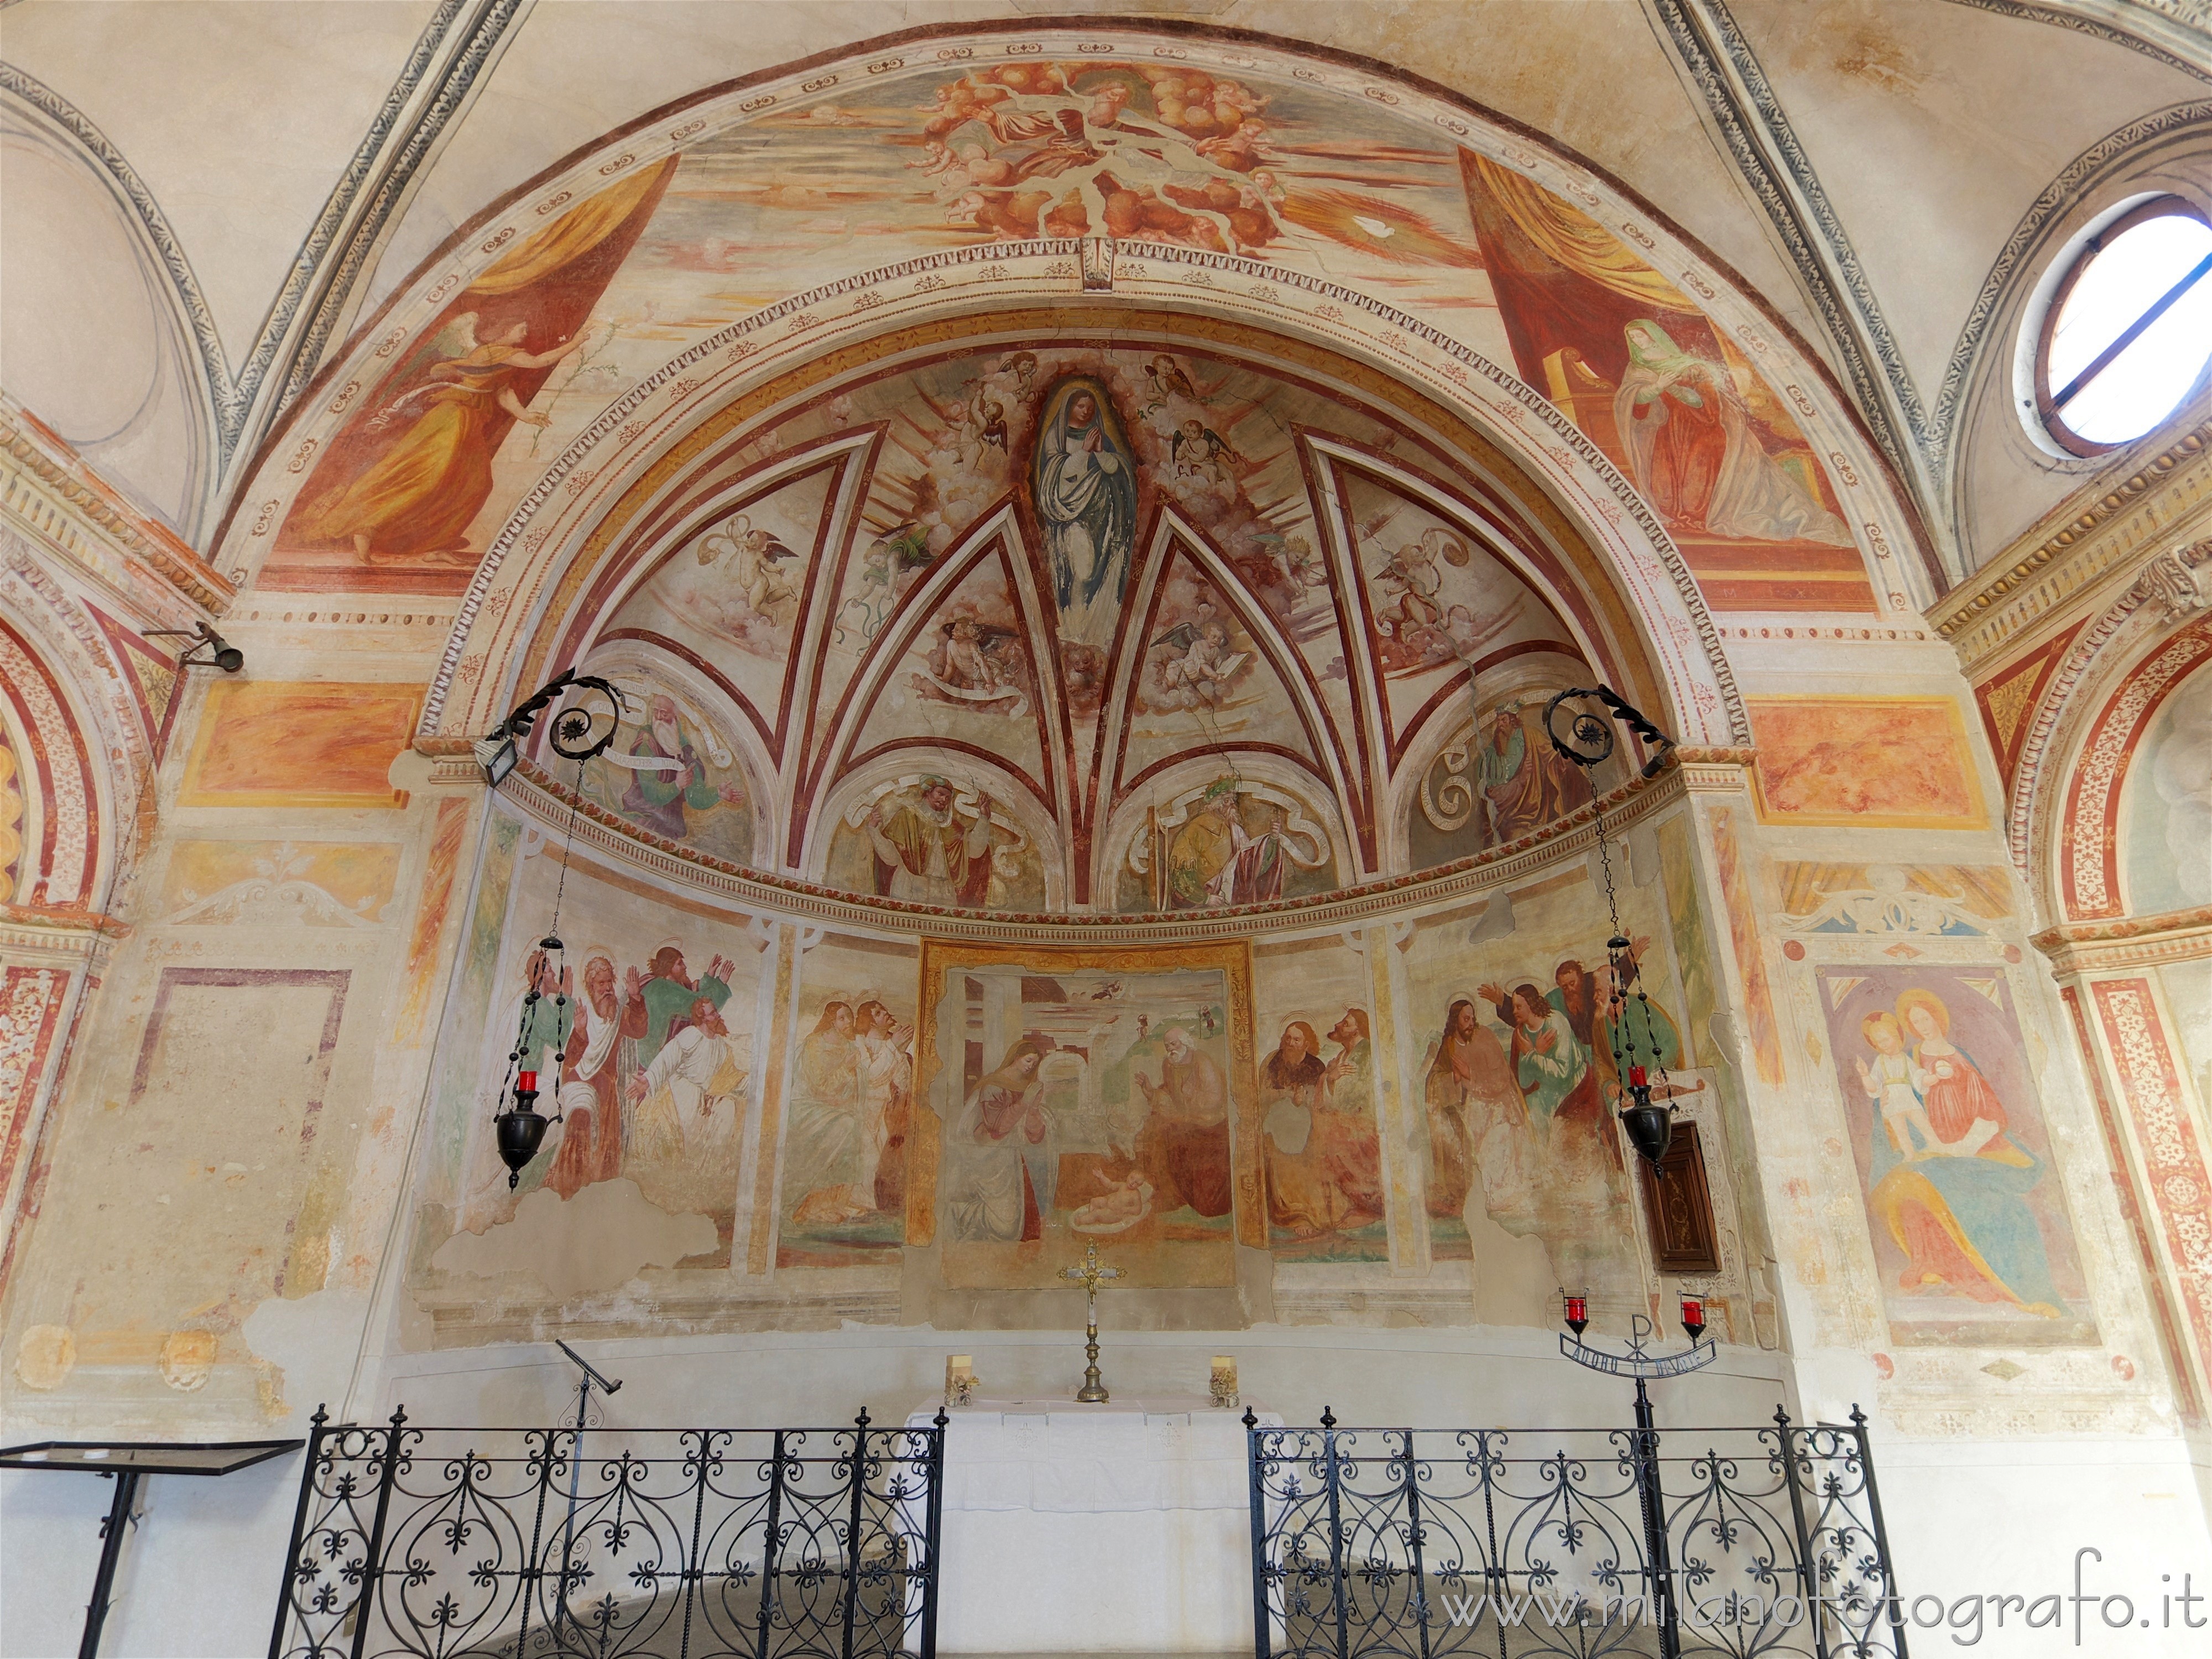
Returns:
(1629,1026)
(578,732)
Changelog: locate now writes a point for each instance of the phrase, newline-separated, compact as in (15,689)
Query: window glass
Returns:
(2133,329)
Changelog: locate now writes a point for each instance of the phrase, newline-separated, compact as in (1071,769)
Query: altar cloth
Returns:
(1117,1528)
(1165,1452)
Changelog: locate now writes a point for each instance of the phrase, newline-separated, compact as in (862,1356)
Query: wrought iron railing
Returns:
(1387,1543)
(645,1543)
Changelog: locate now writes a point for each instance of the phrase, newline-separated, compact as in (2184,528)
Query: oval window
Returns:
(2127,334)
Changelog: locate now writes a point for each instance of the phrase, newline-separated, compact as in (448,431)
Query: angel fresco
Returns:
(1084,485)
(416,499)
(1201,667)
(1164,153)
(976,663)
(390,501)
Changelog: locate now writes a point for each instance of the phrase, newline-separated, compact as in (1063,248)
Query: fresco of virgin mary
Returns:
(1084,480)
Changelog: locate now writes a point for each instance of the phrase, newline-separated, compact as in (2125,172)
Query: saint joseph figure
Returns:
(1084,480)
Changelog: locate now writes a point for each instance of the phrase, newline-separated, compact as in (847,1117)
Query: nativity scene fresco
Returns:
(1080,1103)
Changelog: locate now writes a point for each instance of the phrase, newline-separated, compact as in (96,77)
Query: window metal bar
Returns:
(2103,359)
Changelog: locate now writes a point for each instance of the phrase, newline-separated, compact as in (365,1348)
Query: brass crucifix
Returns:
(1090,1275)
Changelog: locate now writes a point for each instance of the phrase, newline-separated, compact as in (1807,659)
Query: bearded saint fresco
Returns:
(927,851)
(668,781)
(1324,1157)
(1084,485)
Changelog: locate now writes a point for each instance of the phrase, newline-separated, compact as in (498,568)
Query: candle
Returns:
(1222,1387)
(1578,1310)
(1638,1076)
(960,1364)
(1694,1316)
(525,1083)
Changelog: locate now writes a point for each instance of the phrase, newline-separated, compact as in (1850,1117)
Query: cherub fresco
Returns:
(977,664)
(753,561)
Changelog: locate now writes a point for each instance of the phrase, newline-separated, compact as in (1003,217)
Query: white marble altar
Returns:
(1117,1528)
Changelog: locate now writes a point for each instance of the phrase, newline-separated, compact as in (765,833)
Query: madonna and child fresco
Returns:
(1969,1223)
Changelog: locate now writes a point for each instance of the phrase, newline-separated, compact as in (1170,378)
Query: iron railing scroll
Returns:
(640,1543)
(1733,1543)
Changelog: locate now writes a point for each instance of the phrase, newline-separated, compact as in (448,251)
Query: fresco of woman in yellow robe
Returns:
(416,500)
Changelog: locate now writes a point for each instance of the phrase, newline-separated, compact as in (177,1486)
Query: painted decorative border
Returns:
(550,805)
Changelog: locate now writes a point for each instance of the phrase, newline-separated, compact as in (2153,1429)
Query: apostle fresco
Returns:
(668,993)
(1084,486)
(927,851)
(1478,1130)
(855,1071)
(1324,1159)
(691,1095)
(596,1072)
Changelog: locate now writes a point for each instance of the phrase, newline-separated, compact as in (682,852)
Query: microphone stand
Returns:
(577,1468)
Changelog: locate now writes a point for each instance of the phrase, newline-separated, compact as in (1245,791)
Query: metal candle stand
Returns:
(1637,1362)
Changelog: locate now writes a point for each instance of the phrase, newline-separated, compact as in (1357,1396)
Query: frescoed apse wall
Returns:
(1085,527)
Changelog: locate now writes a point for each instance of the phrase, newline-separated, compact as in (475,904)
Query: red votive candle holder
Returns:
(1694,1316)
(525,1082)
(1577,1313)
(1638,1076)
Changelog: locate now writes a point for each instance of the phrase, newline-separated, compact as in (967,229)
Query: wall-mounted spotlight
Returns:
(222,654)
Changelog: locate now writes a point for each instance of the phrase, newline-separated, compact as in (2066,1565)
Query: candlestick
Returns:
(960,1381)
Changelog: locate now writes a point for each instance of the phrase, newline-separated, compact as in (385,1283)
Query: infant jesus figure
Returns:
(1126,1199)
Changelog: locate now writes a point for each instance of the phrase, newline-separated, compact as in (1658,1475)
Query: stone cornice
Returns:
(2093,541)
(2088,947)
(58,933)
(617,841)
(46,485)
(1705,771)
